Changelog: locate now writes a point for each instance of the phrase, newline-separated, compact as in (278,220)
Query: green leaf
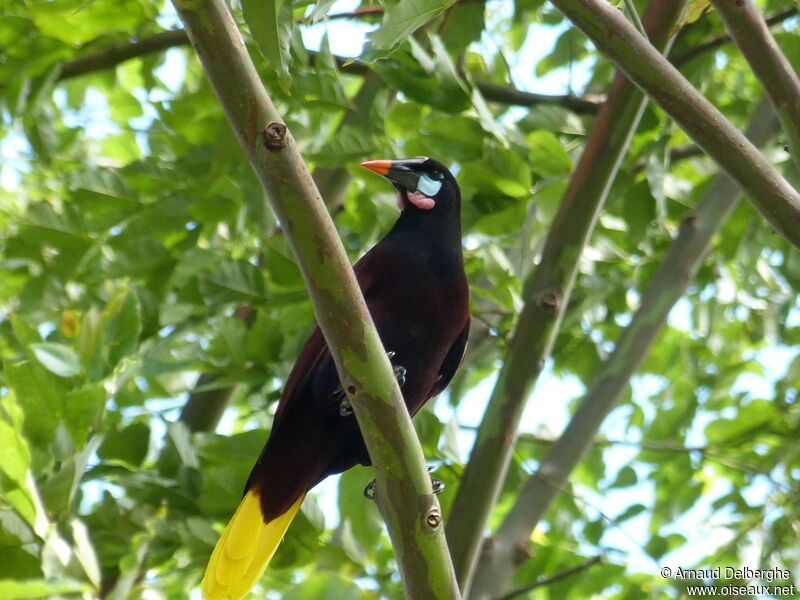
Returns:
(41,396)
(15,456)
(58,359)
(122,321)
(694,10)
(547,156)
(11,589)
(404,18)
(626,477)
(232,281)
(84,551)
(271,23)
(548,198)
(321,9)
(324,586)
(427,78)
(15,462)
(84,407)
(129,444)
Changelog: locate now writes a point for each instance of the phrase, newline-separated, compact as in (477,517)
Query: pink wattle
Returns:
(421,201)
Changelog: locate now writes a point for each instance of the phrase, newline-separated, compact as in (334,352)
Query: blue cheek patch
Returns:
(428,186)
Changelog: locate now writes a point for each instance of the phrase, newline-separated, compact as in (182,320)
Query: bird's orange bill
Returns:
(245,548)
(381,167)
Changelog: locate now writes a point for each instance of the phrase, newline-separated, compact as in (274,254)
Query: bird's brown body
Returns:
(414,285)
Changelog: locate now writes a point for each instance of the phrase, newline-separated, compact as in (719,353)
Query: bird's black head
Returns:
(423,184)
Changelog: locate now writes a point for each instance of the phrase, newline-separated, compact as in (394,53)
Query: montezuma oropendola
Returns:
(414,285)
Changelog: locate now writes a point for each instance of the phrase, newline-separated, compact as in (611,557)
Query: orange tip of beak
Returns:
(381,167)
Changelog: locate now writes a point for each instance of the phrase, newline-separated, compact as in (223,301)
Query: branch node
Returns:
(689,222)
(522,552)
(549,301)
(274,136)
(434,519)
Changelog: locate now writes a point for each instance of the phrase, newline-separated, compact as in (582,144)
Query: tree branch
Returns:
(667,285)
(642,63)
(676,153)
(721,40)
(404,487)
(503,94)
(204,407)
(777,76)
(114,55)
(546,296)
(553,578)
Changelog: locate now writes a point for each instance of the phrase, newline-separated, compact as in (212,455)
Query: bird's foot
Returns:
(436,484)
(369,491)
(400,375)
(399,372)
(345,409)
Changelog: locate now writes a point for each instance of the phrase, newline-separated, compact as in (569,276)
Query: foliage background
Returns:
(137,256)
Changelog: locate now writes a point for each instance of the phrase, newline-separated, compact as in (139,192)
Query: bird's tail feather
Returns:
(245,549)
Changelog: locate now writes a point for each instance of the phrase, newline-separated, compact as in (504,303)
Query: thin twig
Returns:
(720,40)
(553,578)
(634,16)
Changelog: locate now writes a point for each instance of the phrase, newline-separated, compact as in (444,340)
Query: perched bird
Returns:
(414,285)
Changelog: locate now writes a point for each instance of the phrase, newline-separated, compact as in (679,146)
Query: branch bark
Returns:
(546,295)
(616,38)
(751,34)
(404,488)
(667,285)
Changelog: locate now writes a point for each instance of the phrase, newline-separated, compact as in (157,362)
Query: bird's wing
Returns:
(315,351)
(452,361)
(312,354)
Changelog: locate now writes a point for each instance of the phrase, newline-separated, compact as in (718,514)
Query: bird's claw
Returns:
(369,491)
(400,375)
(399,372)
(436,484)
(345,409)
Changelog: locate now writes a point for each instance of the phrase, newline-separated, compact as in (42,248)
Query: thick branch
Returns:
(665,288)
(752,36)
(707,126)
(204,407)
(546,294)
(404,488)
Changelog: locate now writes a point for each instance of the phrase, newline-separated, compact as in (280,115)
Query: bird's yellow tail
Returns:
(245,548)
